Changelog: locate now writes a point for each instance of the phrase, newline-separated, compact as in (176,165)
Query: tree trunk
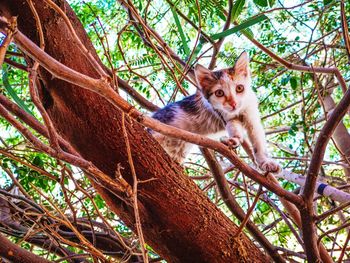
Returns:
(178,220)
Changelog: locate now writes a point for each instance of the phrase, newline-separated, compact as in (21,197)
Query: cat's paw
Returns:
(232,142)
(269,165)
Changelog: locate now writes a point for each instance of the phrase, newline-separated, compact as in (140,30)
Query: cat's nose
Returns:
(233,104)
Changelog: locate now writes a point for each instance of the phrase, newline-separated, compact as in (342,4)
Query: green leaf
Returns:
(293,129)
(291,132)
(293,83)
(197,49)
(327,2)
(12,92)
(247,23)
(248,32)
(99,202)
(221,15)
(38,161)
(181,32)
(285,80)
(271,2)
(237,9)
(262,3)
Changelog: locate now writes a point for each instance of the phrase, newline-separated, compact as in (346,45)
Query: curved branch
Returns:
(234,207)
(312,174)
(17,254)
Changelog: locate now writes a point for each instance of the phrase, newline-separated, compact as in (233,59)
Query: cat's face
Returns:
(226,90)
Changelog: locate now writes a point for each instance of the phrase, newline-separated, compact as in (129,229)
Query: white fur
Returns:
(238,110)
(247,107)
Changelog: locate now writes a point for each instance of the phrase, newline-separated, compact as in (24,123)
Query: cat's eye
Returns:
(239,88)
(219,93)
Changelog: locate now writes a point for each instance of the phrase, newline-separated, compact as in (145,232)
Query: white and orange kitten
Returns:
(225,101)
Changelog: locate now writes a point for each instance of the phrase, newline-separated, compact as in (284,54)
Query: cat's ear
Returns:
(205,77)
(242,64)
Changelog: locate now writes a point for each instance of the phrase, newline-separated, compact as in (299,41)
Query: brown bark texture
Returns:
(178,220)
(15,253)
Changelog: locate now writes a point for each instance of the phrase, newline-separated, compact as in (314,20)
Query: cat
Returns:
(225,100)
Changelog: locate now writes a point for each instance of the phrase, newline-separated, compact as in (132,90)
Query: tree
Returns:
(89,124)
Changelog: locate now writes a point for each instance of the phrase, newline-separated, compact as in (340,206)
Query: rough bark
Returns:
(14,253)
(178,221)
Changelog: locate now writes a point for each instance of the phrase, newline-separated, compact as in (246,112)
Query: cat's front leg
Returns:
(256,136)
(234,129)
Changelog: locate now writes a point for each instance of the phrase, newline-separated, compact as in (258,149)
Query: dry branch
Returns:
(15,253)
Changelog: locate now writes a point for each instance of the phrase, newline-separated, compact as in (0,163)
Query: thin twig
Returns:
(134,192)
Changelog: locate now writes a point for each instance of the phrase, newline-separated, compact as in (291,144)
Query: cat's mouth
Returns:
(231,108)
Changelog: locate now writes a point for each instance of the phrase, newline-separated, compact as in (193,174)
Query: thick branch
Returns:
(15,253)
(314,168)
